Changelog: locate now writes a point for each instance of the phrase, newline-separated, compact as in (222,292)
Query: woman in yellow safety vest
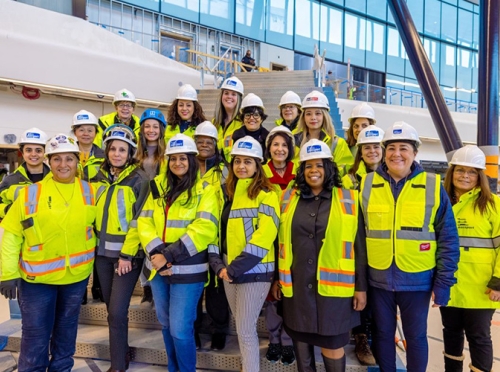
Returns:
(32,147)
(322,261)
(122,188)
(227,108)
(477,293)
(178,225)
(248,228)
(184,114)
(412,247)
(316,122)
(47,255)
(361,117)
(290,108)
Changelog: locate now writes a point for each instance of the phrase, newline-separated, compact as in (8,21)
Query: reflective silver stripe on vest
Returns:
(133,224)
(40,268)
(89,232)
(180,224)
(212,248)
(189,269)
(113,246)
(255,250)
(86,193)
(333,278)
(477,242)
(269,211)
(285,200)
(146,213)
(334,146)
(261,268)
(32,198)
(100,190)
(496,242)
(81,258)
(430,201)
(16,192)
(188,242)
(415,235)
(379,234)
(208,216)
(244,213)
(347,202)
(347,250)
(285,278)
(153,244)
(365,195)
(122,210)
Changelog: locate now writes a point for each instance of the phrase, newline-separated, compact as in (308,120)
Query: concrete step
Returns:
(147,347)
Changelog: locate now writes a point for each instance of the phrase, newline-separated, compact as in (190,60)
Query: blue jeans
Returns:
(49,314)
(414,308)
(176,311)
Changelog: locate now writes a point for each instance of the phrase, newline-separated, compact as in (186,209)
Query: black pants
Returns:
(476,324)
(216,304)
(117,291)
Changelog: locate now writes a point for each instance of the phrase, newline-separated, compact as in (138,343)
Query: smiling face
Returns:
(85,134)
(371,154)
(399,157)
(33,154)
(358,125)
(314,174)
(205,146)
(244,167)
(178,164)
(278,149)
(118,153)
(63,167)
(185,109)
(313,117)
(124,110)
(465,178)
(289,112)
(151,130)
(229,99)
(252,121)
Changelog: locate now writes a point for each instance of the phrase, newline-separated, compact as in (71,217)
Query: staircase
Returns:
(146,341)
(270,86)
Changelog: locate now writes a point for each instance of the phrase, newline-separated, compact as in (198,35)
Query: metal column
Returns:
(438,109)
(487,112)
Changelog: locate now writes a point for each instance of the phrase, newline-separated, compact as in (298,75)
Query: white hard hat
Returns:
(371,134)
(206,129)
(469,156)
(233,83)
(282,130)
(363,110)
(119,132)
(124,95)
(247,146)
(252,100)
(187,92)
(290,98)
(33,136)
(61,143)
(84,117)
(401,131)
(315,149)
(181,144)
(315,99)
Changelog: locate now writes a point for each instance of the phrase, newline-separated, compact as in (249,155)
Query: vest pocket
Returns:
(412,214)
(378,217)
(31,231)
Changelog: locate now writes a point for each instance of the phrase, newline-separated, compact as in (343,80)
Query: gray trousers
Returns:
(274,324)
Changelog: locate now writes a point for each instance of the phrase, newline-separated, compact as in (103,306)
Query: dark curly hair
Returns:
(332,177)
(173,117)
(251,110)
(289,145)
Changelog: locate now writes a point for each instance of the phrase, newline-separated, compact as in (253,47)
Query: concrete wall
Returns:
(271,53)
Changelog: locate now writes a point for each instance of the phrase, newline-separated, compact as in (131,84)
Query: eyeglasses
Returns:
(125,105)
(462,172)
(254,115)
(289,107)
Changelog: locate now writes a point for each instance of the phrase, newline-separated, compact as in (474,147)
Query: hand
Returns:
(433,303)
(124,267)
(158,261)
(224,276)
(494,295)
(8,288)
(359,301)
(276,290)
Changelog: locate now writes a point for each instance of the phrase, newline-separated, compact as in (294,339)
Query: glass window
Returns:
(449,23)
(417,13)
(306,26)
(359,5)
(465,4)
(148,4)
(432,50)
(354,39)
(475,32)
(250,19)
(279,30)
(475,62)
(184,9)
(395,53)
(454,2)
(331,32)
(432,18)
(465,31)
(218,14)
(464,68)
(339,2)
(375,46)
(374,8)
(448,65)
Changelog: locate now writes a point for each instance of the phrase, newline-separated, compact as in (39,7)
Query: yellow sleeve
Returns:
(343,156)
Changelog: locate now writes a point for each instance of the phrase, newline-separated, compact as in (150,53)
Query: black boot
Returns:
(147,297)
(334,365)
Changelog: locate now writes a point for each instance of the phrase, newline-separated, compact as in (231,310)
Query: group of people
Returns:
(328,235)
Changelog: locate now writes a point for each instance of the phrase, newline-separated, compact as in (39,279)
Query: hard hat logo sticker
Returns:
(33,135)
(245,145)
(313,148)
(371,133)
(312,99)
(231,83)
(397,131)
(177,143)
(82,117)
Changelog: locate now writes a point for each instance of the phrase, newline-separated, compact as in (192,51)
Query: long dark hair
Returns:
(485,196)
(176,185)
(260,181)
(106,165)
(142,147)
(332,177)
(351,141)
(173,117)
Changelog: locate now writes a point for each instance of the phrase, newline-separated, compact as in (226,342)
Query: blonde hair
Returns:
(326,126)
(220,113)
